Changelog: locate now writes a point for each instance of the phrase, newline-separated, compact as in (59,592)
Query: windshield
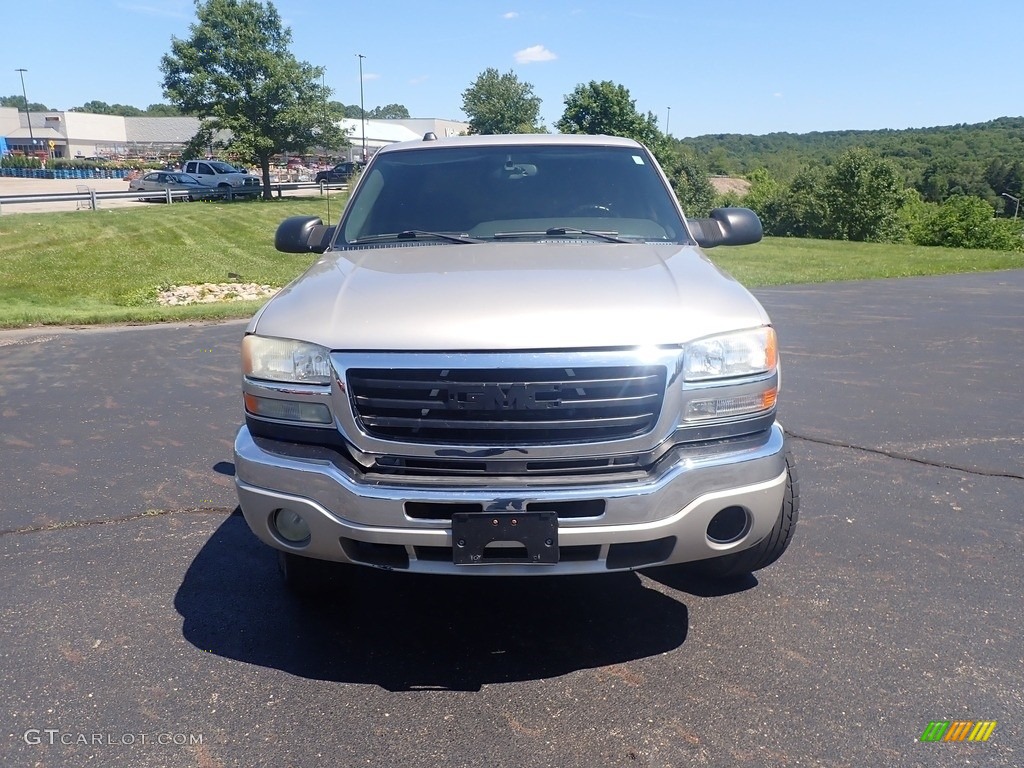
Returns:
(220,167)
(509,193)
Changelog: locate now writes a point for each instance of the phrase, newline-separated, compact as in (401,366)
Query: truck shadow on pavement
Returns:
(413,632)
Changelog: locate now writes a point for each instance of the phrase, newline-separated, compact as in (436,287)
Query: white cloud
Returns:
(419,80)
(533,54)
(777,94)
(510,15)
(371,76)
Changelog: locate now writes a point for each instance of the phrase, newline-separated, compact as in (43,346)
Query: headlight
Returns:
(285,360)
(745,353)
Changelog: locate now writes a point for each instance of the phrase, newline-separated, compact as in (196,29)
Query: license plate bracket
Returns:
(472,532)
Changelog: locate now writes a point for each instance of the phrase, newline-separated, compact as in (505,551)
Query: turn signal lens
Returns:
(725,407)
(287,410)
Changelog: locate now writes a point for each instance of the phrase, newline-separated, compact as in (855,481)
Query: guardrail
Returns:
(92,197)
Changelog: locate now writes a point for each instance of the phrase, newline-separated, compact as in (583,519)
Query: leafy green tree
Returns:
(162,110)
(18,102)
(237,74)
(802,210)
(389,112)
(102,108)
(864,194)
(689,180)
(350,111)
(607,109)
(497,103)
(763,189)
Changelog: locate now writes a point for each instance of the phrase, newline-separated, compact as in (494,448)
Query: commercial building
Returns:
(81,134)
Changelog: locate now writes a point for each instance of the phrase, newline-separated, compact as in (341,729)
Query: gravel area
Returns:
(207,293)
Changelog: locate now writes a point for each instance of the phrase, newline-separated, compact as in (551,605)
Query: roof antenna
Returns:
(430,136)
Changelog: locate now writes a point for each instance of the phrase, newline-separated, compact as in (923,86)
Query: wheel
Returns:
(305,576)
(770,548)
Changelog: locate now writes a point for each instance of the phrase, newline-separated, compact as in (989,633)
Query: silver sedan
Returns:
(161,181)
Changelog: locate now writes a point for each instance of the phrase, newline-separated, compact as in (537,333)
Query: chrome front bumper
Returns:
(659,518)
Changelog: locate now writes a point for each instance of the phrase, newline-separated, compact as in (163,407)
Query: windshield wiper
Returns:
(416,234)
(610,236)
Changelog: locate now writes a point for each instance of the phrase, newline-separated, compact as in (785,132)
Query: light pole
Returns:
(362,109)
(1016,200)
(21,71)
(668,118)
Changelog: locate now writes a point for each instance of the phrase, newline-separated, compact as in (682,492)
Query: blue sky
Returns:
(701,66)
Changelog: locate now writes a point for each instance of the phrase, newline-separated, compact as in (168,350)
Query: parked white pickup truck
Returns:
(215,173)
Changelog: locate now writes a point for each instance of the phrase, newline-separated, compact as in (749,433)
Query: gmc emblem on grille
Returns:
(503,397)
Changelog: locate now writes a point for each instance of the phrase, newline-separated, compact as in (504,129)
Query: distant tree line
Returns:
(96,108)
(981,160)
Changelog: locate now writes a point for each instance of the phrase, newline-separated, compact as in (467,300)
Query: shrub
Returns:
(968,222)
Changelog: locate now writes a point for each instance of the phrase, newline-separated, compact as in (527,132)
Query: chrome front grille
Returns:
(507,406)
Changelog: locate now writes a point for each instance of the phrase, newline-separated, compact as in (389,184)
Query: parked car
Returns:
(513,358)
(340,173)
(215,173)
(161,181)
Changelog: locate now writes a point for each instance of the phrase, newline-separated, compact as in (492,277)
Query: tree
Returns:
(802,210)
(162,110)
(689,180)
(607,109)
(865,193)
(389,112)
(236,74)
(102,108)
(350,111)
(497,103)
(18,102)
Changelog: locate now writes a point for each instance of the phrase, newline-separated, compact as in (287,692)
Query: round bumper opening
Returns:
(729,525)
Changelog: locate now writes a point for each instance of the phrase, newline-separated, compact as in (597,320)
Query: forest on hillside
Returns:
(982,160)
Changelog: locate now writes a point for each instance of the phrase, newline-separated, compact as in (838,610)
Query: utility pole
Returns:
(362,109)
(21,71)
(668,118)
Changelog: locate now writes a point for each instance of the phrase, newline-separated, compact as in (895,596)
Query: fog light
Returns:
(291,527)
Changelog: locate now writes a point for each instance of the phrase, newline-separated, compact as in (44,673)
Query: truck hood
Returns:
(563,294)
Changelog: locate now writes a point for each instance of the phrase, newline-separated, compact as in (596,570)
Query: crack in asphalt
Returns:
(907,457)
(66,524)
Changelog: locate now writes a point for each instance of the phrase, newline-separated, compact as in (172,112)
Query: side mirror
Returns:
(303,234)
(727,226)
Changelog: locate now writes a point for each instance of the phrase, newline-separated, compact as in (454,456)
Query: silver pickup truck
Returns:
(512,358)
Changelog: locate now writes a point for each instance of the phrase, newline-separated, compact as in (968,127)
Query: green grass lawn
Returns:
(783,260)
(107,266)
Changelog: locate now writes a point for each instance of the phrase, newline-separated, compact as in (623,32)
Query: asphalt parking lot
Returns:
(142,624)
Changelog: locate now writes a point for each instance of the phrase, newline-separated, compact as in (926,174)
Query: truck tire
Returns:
(769,549)
(305,576)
